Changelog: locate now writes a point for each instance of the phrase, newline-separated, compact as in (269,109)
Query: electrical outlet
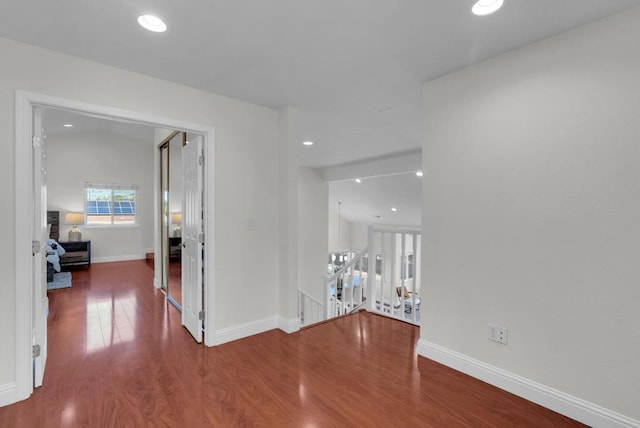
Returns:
(498,334)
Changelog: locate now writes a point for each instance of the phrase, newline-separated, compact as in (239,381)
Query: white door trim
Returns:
(25,102)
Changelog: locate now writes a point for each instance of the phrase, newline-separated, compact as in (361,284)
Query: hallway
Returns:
(118,356)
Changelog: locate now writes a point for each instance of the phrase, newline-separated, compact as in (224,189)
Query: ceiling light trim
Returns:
(486,7)
(152,23)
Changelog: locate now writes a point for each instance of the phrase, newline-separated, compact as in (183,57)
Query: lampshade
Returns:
(74,218)
(176,218)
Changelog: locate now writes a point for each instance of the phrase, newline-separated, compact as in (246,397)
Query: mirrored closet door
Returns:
(171,208)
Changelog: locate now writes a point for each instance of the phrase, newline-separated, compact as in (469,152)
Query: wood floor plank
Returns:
(118,357)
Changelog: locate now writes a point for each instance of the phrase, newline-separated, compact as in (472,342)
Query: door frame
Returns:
(25,102)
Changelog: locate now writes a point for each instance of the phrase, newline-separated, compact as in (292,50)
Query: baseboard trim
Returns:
(241,331)
(290,325)
(565,404)
(8,394)
(124,258)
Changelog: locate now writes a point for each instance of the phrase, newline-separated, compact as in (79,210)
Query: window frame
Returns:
(112,188)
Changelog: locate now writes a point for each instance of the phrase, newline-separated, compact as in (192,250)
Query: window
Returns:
(110,204)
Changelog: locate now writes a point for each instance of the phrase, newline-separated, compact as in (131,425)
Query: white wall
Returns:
(350,236)
(531,202)
(359,235)
(75,159)
(313,224)
(245,170)
(339,231)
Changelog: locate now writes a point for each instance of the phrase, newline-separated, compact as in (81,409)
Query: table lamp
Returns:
(176,218)
(74,219)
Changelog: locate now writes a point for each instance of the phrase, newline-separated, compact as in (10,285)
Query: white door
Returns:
(39,237)
(192,236)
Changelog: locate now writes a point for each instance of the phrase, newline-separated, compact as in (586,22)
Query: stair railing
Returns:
(394,274)
(345,289)
(310,310)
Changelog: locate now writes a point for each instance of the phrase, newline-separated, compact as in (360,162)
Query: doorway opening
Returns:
(31,302)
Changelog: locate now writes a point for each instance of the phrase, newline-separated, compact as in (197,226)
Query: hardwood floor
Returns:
(118,357)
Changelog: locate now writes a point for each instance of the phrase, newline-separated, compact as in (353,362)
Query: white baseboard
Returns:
(241,331)
(123,258)
(565,404)
(8,394)
(288,325)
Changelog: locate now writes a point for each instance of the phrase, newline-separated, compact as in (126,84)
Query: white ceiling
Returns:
(354,68)
(370,201)
(54,121)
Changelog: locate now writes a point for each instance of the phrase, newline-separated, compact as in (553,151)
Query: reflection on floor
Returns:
(175,277)
(118,356)
(175,280)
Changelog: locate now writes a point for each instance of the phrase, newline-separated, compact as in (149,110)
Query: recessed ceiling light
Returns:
(307,143)
(486,7)
(419,173)
(68,125)
(394,209)
(358,180)
(152,23)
